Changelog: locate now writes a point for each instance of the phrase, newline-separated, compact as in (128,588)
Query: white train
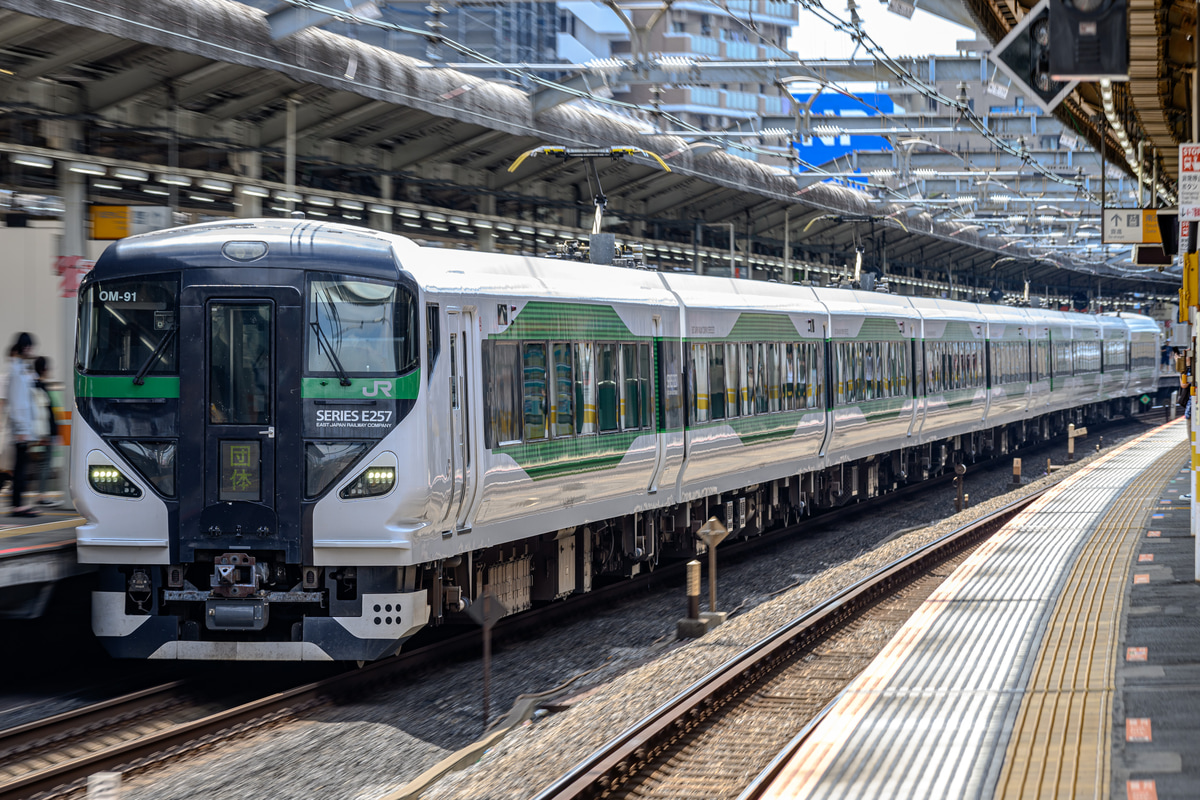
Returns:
(298,440)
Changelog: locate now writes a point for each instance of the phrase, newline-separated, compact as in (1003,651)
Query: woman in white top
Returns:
(22,418)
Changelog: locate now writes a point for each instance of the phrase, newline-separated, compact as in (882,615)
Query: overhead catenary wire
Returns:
(903,76)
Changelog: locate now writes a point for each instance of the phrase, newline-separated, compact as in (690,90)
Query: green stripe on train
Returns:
(876,329)
(567,322)
(158,387)
(762,427)
(122,387)
(756,327)
(405,387)
(571,456)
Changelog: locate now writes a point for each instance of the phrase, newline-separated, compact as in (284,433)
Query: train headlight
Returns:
(376,480)
(107,479)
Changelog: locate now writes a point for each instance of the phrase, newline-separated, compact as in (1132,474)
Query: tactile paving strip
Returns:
(933,714)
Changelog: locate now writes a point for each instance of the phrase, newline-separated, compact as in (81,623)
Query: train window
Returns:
(630,406)
(501,366)
(886,369)
(585,387)
(841,360)
(858,372)
(123,323)
(369,328)
(433,338)
(669,398)
(698,387)
(761,380)
(787,376)
(562,414)
(853,362)
(533,376)
(716,381)
(858,357)
(646,400)
(773,372)
(749,384)
(871,365)
(239,352)
(816,376)
(733,380)
(607,387)
(803,374)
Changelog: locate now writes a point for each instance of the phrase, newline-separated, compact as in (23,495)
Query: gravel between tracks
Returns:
(364,750)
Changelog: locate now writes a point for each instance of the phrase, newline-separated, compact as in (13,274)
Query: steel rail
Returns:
(161,744)
(90,717)
(602,769)
(811,627)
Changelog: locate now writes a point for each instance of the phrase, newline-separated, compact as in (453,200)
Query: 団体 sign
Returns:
(1130,226)
(1189,182)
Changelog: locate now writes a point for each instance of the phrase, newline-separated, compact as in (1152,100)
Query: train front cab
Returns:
(212,419)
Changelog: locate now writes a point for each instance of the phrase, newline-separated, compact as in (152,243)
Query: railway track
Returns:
(711,739)
(57,754)
(54,755)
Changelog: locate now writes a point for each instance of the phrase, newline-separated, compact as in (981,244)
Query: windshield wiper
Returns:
(140,378)
(323,341)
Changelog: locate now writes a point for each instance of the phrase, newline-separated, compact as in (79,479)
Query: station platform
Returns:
(1061,659)
(35,554)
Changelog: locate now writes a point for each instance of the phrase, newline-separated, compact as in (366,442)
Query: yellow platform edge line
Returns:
(1066,711)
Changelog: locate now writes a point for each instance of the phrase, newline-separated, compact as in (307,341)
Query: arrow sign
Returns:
(1129,226)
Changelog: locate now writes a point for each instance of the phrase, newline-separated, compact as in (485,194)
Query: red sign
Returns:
(1190,159)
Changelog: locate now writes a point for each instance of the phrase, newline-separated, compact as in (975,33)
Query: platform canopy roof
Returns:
(200,86)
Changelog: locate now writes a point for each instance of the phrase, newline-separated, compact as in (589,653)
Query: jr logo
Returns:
(380,386)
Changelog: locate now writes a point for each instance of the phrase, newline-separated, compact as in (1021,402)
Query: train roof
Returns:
(471,272)
(359,251)
(703,291)
(1135,322)
(386,256)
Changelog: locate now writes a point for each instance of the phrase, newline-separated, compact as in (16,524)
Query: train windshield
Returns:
(359,327)
(127,326)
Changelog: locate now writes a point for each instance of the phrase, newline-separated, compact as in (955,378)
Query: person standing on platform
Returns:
(47,429)
(22,421)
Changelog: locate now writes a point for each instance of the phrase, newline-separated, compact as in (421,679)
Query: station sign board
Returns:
(117,222)
(1130,226)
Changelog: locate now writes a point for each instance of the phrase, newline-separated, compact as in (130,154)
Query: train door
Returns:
(462,467)
(660,445)
(827,394)
(249,386)
(918,384)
